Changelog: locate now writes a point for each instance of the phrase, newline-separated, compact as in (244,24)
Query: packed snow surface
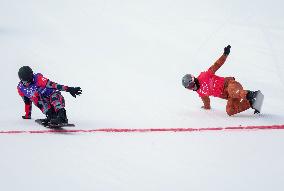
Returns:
(129,57)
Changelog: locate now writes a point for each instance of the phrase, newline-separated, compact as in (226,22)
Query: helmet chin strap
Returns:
(196,84)
(195,88)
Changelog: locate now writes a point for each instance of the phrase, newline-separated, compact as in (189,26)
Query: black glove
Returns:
(24,117)
(74,91)
(227,50)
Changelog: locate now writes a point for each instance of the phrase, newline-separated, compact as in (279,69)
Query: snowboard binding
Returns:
(256,100)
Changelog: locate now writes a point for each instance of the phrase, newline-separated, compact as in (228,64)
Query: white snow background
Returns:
(129,58)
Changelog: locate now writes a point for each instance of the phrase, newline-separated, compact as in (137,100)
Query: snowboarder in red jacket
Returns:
(45,94)
(209,84)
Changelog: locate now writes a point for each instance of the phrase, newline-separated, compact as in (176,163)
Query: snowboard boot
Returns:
(61,117)
(50,114)
(251,97)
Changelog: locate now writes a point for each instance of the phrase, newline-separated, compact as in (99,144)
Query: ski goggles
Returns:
(26,83)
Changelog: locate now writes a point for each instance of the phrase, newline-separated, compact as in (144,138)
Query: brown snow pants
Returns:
(237,101)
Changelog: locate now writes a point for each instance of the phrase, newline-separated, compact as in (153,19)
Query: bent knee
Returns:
(230,112)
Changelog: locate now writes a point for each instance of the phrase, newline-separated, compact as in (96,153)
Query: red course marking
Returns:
(114,130)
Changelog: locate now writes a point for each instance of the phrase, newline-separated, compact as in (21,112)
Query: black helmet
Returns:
(25,73)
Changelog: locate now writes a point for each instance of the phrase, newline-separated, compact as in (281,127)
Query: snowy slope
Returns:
(129,58)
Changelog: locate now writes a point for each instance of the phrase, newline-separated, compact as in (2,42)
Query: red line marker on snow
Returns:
(121,130)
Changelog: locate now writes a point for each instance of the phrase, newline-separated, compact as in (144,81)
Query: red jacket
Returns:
(211,84)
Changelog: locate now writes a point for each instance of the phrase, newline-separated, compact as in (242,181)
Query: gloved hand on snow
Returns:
(227,50)
(74,91)
(26,117)
(207,108)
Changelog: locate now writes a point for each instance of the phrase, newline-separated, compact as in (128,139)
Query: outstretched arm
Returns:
(56,86)
(74,91)
(221,60)
(44,82)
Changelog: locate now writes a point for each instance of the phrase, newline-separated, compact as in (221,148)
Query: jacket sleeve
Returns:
(218,63)
(28,104)
(206,102)
(45,82)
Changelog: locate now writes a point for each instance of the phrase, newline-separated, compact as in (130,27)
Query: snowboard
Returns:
(257,104)
(53,126)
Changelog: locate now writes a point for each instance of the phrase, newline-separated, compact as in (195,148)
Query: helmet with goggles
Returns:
(188,81)
(25,73)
